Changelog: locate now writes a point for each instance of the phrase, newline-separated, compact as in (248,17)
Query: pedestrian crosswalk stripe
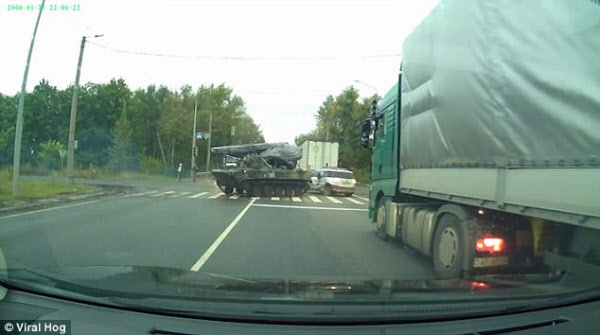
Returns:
(355,201)
(332,199)
(234,197)
(161,194)
(296,199)
(214,196)
(361,198)
(314,199)
(197,195)
(275,198)
(179,195)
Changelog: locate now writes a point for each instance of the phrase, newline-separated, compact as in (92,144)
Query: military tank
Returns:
(261,170)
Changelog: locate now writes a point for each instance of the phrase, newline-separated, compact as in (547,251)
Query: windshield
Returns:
(194,154)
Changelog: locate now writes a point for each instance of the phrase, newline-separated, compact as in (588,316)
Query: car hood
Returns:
(166,281)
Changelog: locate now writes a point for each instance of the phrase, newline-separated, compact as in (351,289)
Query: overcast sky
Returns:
(282,57)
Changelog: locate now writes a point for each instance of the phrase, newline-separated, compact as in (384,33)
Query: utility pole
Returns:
(19,125)
(194,150)
(73,119)
(209,141)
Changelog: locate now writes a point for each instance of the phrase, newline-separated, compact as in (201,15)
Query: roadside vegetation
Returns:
(37,189)
(339,119)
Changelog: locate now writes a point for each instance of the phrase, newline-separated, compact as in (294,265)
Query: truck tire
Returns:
(448,251)
(381,219)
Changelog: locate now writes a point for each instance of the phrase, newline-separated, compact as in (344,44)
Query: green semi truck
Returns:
(486,153)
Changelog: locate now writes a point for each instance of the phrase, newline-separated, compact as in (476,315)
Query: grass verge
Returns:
(36,189)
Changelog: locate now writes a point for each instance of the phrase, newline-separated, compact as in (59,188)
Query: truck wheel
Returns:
(327,190)
(381,219)
(448,251)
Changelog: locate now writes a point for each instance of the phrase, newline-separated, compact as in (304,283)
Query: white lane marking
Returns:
(234,197)
(214,196)
(255,198)
(197,195)
(275,198)
(334,200)
(179,195)
(48,209)
(132,195)
(296,199)
(161,194)
(312,207)
(314,199)
(354,201)
(200,262)
(361,198)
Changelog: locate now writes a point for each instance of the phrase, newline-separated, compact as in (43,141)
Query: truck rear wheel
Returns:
(381,219)
(448,251)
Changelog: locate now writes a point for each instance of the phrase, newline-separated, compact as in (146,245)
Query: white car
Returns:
(330,181)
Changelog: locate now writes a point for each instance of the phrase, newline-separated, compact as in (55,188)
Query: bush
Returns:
(150,165)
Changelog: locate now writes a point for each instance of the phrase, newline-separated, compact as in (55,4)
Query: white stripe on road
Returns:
(179,195)
(275,198)
(220,194)
(234,197)
(48,209)
(161,194)
(355,201)
(197,195)
(132,195)
(312,207)
(361,198)
(314,199)
(255,198)
(296,199)
(334,200)
(220,239)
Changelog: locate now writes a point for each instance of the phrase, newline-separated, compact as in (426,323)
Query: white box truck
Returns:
(316,155)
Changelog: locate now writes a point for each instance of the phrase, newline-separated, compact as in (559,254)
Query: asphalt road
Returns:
(194,226)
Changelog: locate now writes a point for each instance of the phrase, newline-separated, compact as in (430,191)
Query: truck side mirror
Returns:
(365,133)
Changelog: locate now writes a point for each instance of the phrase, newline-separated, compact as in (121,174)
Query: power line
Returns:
(236,58)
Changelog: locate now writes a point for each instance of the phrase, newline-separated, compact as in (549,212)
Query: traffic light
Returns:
(374,107)
(195,151)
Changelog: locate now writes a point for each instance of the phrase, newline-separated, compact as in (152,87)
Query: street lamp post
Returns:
(19,125)
(194,150)
(73,118)
(372,87)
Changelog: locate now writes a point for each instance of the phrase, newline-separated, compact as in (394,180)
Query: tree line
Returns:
(339,119)
(148,130)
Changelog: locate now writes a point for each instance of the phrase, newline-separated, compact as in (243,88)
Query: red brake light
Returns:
(490,244)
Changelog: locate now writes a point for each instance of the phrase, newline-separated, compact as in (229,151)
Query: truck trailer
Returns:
(486,153)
